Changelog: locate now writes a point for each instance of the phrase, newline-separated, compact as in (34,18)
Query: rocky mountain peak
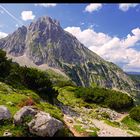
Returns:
(22,29)
(44,22)
(45,42)
(49,20)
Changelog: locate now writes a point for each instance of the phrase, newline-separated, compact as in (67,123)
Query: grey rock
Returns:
(23,112)
(7,134)
(44,125)
(14,43)
(4,113)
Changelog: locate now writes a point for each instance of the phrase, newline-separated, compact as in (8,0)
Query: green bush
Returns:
(23,77)
(105,97)
(135,113)
(61,84)
(5,64)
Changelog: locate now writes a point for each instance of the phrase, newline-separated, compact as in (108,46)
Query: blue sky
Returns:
(110,30)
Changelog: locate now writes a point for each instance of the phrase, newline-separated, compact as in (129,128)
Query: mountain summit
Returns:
(45,42)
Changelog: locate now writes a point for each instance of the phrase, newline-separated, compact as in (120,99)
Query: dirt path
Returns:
(107,130)
(122,117)
(70,126)
(70,119)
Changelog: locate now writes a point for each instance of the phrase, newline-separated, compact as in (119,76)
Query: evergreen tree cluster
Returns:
(105,97)
(135,113)
(23,77)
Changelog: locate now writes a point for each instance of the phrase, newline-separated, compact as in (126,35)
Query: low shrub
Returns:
(27,102)
(135,113)
(105,97)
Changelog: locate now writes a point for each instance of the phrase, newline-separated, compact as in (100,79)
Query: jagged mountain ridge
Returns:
(45,42)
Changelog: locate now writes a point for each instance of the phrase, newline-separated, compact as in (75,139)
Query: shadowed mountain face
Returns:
(45,42)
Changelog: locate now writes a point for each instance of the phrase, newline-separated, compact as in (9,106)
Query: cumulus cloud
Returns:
(126,6)
(27,15)
(2,35)
(118,50)
(93,7)
(46,4)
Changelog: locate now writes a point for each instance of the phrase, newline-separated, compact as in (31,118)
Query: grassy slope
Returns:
(132,125)
(14,99)
(66,95)
(136,94)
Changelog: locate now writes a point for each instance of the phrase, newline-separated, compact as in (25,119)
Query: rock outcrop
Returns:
(4,113)
(44,125)
(7,134)
(41,123)
(24,112)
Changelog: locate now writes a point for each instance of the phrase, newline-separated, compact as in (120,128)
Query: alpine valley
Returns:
(53,85)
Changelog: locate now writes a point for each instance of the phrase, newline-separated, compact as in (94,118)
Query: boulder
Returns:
(7,134)
(23,112)
(44,125)
(4,113)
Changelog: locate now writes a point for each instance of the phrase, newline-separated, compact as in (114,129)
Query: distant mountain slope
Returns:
(45,42)
(133,73)
(135,76)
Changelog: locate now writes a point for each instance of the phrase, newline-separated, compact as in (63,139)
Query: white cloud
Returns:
(118,50)
(125,6)
(92,36)
(2,35)
(93,7)
(27,15)
(46,4)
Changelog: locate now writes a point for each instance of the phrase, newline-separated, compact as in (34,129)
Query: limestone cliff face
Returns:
(45,42)
(14,43)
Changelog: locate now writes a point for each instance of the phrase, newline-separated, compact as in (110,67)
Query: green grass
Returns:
(53,110)
(79,128)
(59,79)
(131,124)
(13,98)
(67,97)
(52,74)
(20,96)
(93,134)
(114,124)
(17,131)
